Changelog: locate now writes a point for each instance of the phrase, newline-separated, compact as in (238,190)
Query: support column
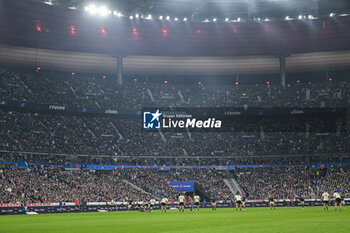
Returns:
(283,70)
(119,69)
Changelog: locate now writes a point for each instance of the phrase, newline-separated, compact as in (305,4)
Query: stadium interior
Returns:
(77,76)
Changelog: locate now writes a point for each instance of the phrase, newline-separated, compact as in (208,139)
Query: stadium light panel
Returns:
(331,15)
(206,20)
(135,32)
(49,2)
(119,14)
(72,30)
(160,17)
(115,13)
(103,31)
(214,20)
(287,18)
(149,17)
(176,19)
(310,17)
(168,18)
(267,20)
(131,17)
(92,9)
(239,19)
(227,19)
(137,16)
(185,19)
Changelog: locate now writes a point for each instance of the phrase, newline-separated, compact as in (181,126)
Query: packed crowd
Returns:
(282,183)
(55,184)
(108,136)
(335,179)
(94,92)
(208,180)
(52,184)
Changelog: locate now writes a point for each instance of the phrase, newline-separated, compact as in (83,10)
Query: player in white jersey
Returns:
(152,202)
(337,201)
(272,202)
(342,202)
(111,205)
(164,202)
(182,202)
(238,200)
(197,200)
(213,204)
(325,200)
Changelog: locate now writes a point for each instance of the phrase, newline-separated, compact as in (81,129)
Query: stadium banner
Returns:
(62,109)
(183,186)
(217,167)
(319,120)
(45,208)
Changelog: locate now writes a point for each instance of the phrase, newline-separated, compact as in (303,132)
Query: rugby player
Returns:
(238,200)
(182,202)
(325,200)
(197,200)
(164,203)
(337,201)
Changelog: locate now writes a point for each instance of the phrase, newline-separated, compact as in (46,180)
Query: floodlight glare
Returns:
(92,9)
(103,11)
(227,19)
(214,20)
(168,18)
(160,17)
(185,19)
(239,19)
(176,19)
(137,16)
(131,17)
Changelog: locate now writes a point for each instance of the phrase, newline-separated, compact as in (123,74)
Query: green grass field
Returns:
(287,219)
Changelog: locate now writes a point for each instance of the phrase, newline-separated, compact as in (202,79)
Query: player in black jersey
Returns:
(243,202)
(272,203)
(302,202)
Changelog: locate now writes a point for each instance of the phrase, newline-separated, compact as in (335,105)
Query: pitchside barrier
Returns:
(44,208)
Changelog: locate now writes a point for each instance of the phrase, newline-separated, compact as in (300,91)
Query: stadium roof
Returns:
(201,9)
